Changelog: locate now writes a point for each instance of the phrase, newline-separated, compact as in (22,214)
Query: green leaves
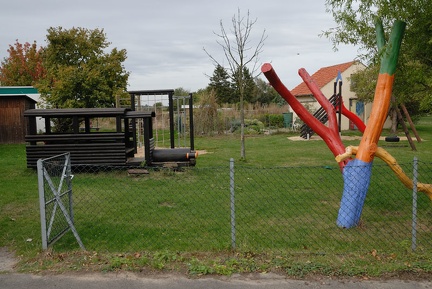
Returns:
(355,25)
(80,73)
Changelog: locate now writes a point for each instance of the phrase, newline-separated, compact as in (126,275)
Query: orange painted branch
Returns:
(383,90)
(380,107)
(357,173)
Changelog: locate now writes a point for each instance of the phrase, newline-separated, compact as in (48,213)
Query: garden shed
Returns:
(13,102)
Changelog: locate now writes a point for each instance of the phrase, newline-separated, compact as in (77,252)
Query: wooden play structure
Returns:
(88,144)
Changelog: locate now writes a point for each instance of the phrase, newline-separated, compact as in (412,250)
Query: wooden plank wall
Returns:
(13,124)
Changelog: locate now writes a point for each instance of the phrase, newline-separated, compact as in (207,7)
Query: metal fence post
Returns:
(42,204)
(69,183)
(414,206)
(232,193)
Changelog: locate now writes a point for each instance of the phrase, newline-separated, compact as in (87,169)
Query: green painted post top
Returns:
(22,90)
(391,53)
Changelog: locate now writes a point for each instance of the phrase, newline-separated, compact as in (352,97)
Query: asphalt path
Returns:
(133,281)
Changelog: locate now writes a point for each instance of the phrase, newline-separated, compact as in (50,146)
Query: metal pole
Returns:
(232,191)
(414,206)
(178,123)
(69,177)
(171,118)
(42,204)
(133,122)
(184,121)
(191,123)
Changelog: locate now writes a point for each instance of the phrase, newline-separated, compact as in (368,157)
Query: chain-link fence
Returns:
(55,199)
(290,209)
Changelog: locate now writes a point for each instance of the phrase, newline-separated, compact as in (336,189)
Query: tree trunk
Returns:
(394,121)
(393,116)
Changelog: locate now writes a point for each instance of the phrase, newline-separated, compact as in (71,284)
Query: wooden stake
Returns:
(413,147)
(408,117)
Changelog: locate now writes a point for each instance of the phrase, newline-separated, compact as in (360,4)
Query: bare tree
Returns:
(241,54)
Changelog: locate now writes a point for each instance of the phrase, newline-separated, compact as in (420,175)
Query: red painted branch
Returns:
(325,103)
(329,108)
(354,118)
(330,136)
(277,84)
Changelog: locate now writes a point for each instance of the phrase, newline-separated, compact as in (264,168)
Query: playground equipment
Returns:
(356,172)
(88,144)
(158,156)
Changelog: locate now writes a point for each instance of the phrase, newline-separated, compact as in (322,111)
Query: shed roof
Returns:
(69,112)
(13,90)
(17,96)
(151,92)
(322,77)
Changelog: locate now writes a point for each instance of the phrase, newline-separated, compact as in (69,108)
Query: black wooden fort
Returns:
(87,146)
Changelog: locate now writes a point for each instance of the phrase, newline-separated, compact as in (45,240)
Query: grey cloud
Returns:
(165,39)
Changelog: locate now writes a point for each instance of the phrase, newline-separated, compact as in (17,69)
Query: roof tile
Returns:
(322,77)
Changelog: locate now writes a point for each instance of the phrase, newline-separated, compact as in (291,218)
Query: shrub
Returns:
(272,120)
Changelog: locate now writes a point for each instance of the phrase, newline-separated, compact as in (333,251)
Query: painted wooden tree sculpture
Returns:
(356,172)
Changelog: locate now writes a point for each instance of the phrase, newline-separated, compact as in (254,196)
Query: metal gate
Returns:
(55,199)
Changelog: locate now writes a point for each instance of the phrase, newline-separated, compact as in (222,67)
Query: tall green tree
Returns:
(355,25)
(180,91)
(246,86)
(81,72)
(222,86)
(23,66)
(266,94)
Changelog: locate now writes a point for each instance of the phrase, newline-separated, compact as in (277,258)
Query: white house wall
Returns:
(347,94)
(40,122)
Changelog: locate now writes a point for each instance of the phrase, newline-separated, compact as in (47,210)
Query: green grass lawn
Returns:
(195,206)
(277,150)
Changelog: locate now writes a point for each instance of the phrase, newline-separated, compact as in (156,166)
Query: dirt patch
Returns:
(7,260)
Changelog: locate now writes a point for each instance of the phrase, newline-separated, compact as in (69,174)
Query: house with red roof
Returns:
(325,78)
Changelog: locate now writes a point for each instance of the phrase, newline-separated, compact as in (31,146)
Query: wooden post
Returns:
(75,124)
(413,147)
(408,117)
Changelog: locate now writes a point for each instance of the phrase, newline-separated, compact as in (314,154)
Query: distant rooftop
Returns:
(322,77)
(23,90)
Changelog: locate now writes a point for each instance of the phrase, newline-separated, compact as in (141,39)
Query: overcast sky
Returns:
(164,39)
